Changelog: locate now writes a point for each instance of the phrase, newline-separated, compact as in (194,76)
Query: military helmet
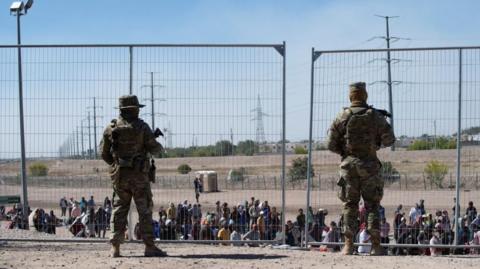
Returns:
(128,101)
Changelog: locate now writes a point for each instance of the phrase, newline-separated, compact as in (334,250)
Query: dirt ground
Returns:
(184,256)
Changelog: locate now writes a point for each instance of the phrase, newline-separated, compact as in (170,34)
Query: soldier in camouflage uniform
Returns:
(356,135)
(126,146)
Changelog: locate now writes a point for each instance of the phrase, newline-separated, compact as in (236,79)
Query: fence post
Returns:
(476,181)
(406,182)
(275,182)
(284,107)
(459,145)
(130,61)
(309,164)
(319,182)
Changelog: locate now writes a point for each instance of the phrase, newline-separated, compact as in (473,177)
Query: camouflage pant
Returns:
(361,179)
(128,184)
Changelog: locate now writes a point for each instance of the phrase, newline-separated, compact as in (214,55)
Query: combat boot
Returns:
(115,251)
(152,251)
(348,247)
(377,250)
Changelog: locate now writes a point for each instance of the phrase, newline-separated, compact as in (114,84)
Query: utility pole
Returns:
(152,99)
(94,107)
(95,126)
(231,141)
(89,136)
(435,133)
(78,143)
(72,140)
(389,81)
(81,140)
(389,70)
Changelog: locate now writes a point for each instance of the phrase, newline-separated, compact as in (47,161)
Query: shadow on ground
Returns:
(231,256)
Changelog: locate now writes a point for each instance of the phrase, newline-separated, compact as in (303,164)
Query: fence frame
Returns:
(315,54)
(280,48)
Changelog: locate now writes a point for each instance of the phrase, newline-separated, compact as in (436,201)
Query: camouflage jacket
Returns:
(150,144)
(382,132)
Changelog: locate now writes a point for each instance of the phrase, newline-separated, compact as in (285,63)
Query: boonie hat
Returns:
(128,101)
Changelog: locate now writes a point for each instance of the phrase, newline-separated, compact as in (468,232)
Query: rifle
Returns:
(384,112)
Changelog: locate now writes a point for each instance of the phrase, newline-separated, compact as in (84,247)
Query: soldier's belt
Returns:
(125,162)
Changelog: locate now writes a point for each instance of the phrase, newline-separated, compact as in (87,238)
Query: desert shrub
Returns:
(436,172)
(446,143)
(298,171)
(184,169)
(420,145)
(247,147)
(441,143)
(300,150)
(38,169)
(223,148)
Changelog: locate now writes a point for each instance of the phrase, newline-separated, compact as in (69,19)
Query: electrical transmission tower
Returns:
(389,62)
(258,118)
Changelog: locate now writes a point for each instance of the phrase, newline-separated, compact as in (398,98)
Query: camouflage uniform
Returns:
(127,152)
(356,134)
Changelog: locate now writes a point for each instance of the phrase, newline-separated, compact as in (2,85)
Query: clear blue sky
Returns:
(302,24)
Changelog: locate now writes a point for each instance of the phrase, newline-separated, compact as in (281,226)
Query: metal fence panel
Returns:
(221,108)
(425,106)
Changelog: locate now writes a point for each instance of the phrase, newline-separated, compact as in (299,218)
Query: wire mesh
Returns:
(422,166)
(219,107)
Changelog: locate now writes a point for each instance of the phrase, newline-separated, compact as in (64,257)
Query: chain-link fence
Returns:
(220,108)
(427,91)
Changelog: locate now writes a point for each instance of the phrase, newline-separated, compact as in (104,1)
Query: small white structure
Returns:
(209,180)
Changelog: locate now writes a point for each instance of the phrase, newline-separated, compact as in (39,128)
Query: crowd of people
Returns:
(256,220)
(252,220)
(14,216)
(421,227)
(85,218)
(82,218)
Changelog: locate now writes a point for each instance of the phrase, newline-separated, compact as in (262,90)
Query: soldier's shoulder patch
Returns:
(113,123)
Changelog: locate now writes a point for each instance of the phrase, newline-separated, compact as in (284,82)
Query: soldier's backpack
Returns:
(127,142)
(361,131)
